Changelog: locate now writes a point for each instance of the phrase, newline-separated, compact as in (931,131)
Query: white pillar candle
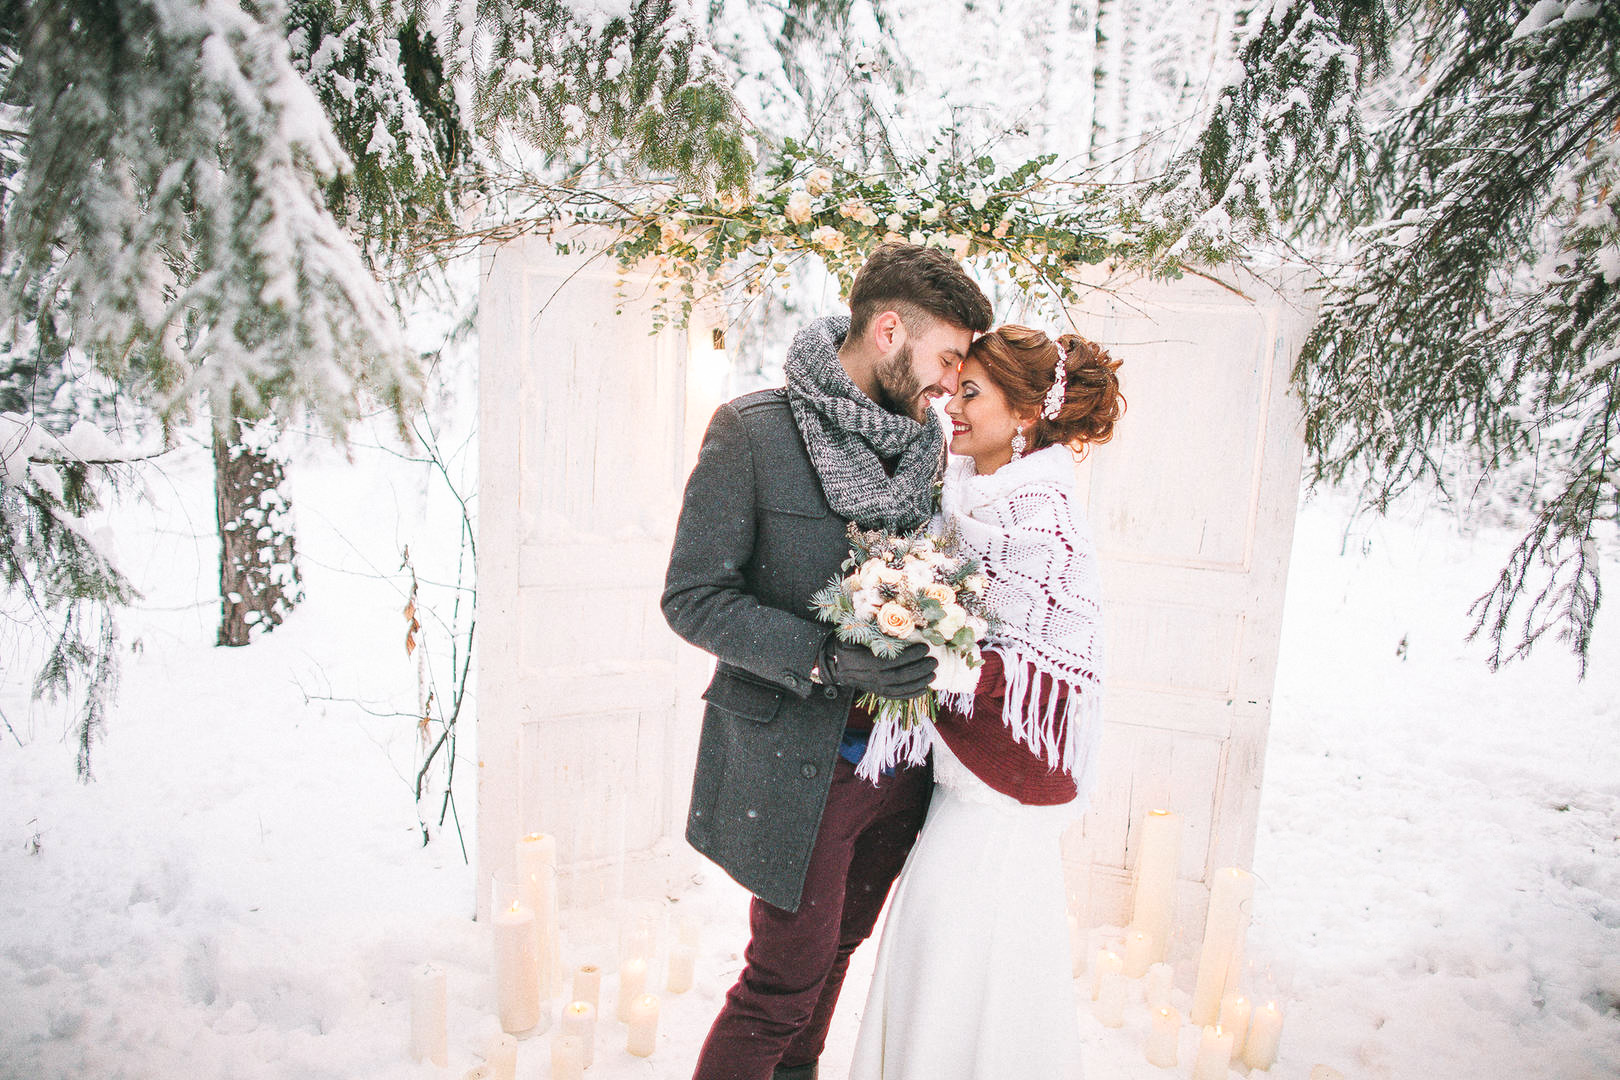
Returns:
(579,1020)
(1224,932)
(1235,1010)
(632,985)
(1139,953)
(1156,985)
(638,934)
(643,1026)
(427,1016)
(689,931)
(502,1057)
(1164,1038)
(567,1058)
(1265,1032)
(1156,864)
(1077,948)
(588,985)
(1110,1008)
(1214,1059)
(517,974)
(537,878)
(682,959)
(1325,1072)
(1108,962)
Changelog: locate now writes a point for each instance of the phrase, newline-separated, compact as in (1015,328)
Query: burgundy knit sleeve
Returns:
(986,746)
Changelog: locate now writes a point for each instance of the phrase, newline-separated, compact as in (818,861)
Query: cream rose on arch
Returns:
(798,208)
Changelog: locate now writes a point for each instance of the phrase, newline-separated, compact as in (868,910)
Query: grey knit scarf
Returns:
(848,434)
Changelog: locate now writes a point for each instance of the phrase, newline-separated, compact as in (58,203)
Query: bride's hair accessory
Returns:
(1060,386)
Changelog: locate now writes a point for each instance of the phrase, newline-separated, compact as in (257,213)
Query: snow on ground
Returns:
(243,892)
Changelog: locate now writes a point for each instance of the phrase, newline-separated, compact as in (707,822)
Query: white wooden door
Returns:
(1193,506)
(585,438)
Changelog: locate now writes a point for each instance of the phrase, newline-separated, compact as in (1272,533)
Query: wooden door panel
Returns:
(1192,503)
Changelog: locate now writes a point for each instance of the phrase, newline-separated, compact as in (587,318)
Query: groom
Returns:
(775,799)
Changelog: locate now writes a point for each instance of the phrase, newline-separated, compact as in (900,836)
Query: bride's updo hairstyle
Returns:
(1021,362)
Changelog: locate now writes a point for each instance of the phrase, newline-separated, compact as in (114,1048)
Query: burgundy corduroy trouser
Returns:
(782,1004)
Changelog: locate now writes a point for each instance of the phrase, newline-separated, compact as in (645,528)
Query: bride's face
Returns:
(982,423)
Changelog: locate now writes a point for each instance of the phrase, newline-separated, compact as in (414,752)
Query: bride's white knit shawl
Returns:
(1024,525)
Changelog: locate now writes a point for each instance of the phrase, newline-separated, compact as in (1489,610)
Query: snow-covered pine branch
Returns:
(1285,144)
(62,579)
(1466,207)
(378,71)
(631,85)
(169,189)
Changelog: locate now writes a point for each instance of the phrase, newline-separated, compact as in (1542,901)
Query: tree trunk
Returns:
(259,581)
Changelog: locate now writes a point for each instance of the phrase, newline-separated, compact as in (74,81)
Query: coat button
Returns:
(809,771)
(791,681)
(830,691)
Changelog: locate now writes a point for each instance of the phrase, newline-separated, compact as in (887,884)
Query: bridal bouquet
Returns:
(902,589)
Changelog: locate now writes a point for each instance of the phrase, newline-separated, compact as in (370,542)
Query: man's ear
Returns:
(887,332)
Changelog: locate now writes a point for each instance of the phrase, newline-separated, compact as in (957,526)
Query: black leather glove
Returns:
(856,668)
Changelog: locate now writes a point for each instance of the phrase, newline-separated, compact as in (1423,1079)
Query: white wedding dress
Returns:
(973,978)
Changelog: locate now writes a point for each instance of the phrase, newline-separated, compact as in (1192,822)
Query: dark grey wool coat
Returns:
(756,539)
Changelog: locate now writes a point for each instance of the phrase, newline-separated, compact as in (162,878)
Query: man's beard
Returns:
(897,387)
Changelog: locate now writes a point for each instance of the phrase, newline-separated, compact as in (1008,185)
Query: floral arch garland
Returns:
(1033,225)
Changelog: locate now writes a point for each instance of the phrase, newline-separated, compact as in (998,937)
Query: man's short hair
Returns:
(918,283)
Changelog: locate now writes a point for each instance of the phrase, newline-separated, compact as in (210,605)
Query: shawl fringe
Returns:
(890,744)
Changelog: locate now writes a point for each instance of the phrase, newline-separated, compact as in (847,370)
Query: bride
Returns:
(973,979)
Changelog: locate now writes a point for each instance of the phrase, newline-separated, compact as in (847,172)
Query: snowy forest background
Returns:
(237,379)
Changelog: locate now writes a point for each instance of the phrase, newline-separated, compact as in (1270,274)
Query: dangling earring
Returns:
(1018,444)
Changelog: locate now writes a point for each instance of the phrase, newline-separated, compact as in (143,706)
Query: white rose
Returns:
(931,214)
(819,181)
(978,626)
(895,222)
(895,579)
(798,207)
(978,197)
(955,618)
(959,244)
(906,205)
